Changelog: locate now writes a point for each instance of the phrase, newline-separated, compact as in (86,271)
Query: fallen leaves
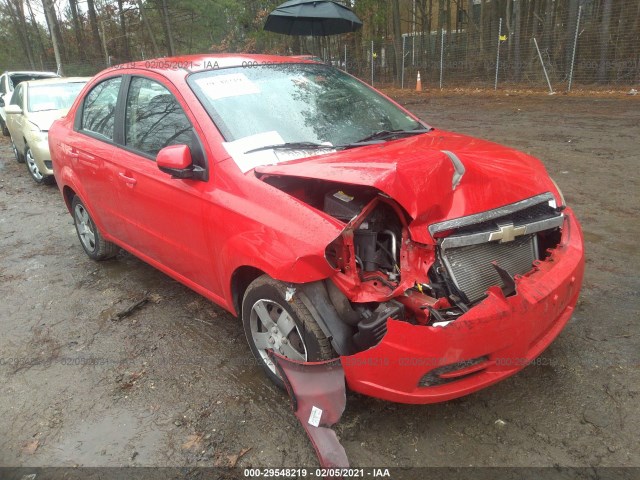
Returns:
(230,460)
(30,447)
(193,442)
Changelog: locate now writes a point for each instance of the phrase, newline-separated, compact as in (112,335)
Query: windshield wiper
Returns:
(292,146)
(385,134)
(372,139)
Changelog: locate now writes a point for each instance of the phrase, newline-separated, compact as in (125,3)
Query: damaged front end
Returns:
(427,322)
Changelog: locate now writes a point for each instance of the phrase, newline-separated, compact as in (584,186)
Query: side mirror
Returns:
(176,161)
(12,109)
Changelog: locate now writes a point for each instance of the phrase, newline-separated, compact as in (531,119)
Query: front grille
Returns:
(534,213)
(470,266)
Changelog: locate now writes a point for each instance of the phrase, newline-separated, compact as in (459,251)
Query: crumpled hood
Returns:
(419,175)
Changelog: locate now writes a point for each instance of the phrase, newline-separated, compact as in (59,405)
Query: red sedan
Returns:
(331,220)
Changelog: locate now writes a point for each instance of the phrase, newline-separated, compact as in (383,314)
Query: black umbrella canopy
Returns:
(312,17)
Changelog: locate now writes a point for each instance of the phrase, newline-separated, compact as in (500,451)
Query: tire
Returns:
(16,153)
(96,247)
(33,169)
(5,130)
(305,341)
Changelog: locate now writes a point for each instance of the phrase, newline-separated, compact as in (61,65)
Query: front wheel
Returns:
(16,153)
(34,170)
(96,247)
(287,327)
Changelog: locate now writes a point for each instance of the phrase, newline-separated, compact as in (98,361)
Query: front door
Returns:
(163,215)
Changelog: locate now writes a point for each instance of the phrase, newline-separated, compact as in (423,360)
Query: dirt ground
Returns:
(173,383)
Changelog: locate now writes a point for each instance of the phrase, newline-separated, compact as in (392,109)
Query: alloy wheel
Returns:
(33,167)
(85,227)
(272,327)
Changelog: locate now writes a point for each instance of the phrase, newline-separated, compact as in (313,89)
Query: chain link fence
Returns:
(573,55)
(578,52)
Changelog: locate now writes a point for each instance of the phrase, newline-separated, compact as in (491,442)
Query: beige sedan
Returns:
(34,106)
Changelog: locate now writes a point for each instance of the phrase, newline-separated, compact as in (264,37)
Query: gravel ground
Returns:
(173,384)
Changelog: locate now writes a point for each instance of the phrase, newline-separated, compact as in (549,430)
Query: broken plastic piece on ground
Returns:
(318,397)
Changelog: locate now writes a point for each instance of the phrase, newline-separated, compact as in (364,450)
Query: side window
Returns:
(153,118)
(99,111)
(16,98)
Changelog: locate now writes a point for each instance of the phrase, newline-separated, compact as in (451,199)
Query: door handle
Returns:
(128,180)
(70,151)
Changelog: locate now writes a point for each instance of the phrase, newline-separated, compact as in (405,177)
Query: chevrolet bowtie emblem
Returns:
(507,233)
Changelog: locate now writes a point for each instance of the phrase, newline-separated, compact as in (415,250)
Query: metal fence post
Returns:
(495,84)
(372,53)
(413,49)
(441,56)
(345,58)
(543,67)
(402,74)
(575,44)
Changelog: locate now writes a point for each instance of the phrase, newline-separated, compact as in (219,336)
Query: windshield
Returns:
(281,103)
(56,96)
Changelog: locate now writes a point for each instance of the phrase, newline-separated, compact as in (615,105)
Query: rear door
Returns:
(163,215)
(90,147)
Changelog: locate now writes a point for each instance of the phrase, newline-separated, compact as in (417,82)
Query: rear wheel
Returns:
(5,130)
(96,247)
(287,327)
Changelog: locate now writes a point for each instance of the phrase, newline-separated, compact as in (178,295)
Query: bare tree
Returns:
(93,20)
(123,31)
(482,25)
(147,25)
(604,40)
(16,11)
(166,26)
(36,31)
(397,38)
(77,28)
(50,16)
(517,34)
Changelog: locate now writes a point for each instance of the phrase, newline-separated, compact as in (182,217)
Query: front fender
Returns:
(282,258)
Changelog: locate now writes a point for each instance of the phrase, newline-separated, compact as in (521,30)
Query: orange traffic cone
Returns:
(418,84)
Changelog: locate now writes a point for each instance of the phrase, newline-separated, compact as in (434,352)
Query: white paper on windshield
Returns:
(247,161)
(230,85)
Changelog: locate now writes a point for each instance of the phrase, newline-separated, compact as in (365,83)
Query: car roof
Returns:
(29,72)
(179,66)
(53,81)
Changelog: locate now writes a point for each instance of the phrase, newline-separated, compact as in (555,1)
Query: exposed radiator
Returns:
(470,266)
